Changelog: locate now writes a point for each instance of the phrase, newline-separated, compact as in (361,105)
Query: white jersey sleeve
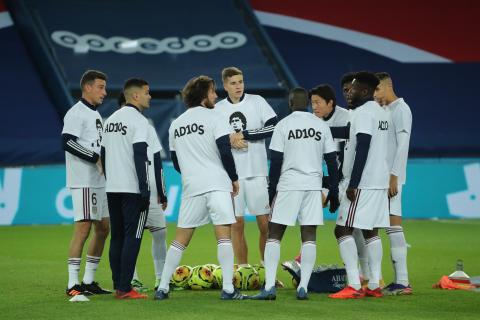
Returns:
(278,138)
(330,145)
(221,128)
(140,133)
(364,123)
(153,141)
(171,140)
(266,110)
(72,124)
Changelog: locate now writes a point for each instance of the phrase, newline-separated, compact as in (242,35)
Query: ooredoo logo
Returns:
(176,45)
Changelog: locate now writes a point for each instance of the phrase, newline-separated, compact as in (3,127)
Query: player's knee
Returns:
(367,234)
(341,231)
(275,231)
(238,226)
(308,233)
(102,230)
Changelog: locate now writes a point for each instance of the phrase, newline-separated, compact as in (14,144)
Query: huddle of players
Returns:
(202,145)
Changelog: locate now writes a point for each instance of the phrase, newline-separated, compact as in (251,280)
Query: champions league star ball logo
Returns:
(238,121)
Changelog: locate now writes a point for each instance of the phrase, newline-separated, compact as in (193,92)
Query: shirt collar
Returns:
(241,99)
(88,104)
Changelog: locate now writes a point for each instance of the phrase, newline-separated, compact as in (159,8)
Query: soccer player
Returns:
(81,141)
(124,154)
(158,203)
(398,142)
(253,120)
(346,84)
(201,153)
(295,190)
(364,190)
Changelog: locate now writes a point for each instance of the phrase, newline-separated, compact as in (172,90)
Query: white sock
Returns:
(362,254)
(174,255)
(398,249)
(73,270)
(272,256)
(90,269)
(225,259)
(308,255)
(349,254)
(374,252)
(159,251)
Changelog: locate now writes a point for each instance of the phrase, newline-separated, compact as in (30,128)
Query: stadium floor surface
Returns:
(34,273)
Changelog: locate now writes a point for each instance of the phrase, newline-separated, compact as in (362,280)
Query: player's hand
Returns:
(235,188)
(237,141)
(332,198)
(99,166)
(324,200)
(163,202)
(393,189)
(351,194)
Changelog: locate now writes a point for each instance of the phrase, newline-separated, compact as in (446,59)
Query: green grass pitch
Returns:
(33,275)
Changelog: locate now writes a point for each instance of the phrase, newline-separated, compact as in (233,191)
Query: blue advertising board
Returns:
(448,188)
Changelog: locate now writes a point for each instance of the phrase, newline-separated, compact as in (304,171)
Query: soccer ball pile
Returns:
(210,276)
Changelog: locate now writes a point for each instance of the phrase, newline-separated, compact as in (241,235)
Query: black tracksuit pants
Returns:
(126,224)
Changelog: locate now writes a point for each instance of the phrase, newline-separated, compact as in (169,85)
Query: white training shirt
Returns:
(372,119)
(86,124)
(303,139)
(154,146)
(123,128)
(339,118)
(193,137)
(401,124)
(255,111)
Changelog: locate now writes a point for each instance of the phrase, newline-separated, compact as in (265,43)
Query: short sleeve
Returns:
(278,138)
(72,124)
(402,119)
(221,127)
(171,138)
(154,142)
(140,132)
(329,145)
(266,110)
(364,123)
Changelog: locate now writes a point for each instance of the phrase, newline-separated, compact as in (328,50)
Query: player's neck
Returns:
(88,103)
(392,97)
(235,100)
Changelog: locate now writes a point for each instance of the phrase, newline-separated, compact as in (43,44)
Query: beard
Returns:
(209,104)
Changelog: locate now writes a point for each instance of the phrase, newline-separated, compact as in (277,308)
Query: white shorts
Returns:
(155,217)
(368,211)
(89,204)
(395,203)
(253,195)
(214,206)
(304,206)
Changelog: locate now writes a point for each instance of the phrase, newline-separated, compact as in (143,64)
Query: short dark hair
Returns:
(230,72)
(90,76)
(382,76)
(134,83)
(298,99)
(367,79)
(196,90)
(347,77)
(324,91)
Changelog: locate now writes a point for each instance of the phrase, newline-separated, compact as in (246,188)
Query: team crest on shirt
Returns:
(238,121)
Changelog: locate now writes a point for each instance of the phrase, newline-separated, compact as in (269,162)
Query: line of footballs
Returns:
(210,276)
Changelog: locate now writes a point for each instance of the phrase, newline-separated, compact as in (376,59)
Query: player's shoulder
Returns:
(255,99)
(400,106)
(78,109)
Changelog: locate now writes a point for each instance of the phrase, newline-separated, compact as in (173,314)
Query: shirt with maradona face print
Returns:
(250,113)
(303,138)
(192,136)
(85,124)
